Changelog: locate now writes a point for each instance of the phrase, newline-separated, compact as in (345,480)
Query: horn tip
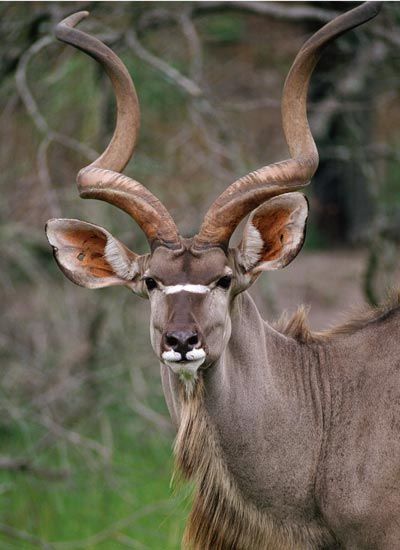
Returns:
(70,22)
(376,6)
(371,8)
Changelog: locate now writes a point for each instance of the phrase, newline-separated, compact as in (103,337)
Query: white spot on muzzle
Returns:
(196,354)
(187,369)
(171,355)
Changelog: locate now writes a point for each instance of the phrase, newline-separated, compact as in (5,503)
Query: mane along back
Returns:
(296,326)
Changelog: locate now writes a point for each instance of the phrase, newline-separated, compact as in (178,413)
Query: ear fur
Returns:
(89,255)
(274,233)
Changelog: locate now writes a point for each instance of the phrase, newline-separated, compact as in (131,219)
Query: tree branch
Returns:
(33,109)
(26,465)
(279,10)
(172,74)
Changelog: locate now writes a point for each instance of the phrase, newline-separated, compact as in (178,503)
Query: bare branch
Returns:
(76,439)
(155,18)
(194,45)
(278,10)
(33,109)
(44,176)
(251,104)
(24,537)
(152,416)
(22,85)
(129,542)
(9,108)
(172,74)
(113,529)
(26,465)
(351,83)
(273,9)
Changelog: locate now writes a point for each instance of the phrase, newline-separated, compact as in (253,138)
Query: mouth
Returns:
(185,368)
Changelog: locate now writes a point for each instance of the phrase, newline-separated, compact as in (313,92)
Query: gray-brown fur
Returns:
(221,517)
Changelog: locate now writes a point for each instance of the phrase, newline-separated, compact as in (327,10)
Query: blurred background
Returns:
(85,456)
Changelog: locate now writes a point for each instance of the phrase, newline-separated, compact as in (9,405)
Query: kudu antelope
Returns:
(291,438)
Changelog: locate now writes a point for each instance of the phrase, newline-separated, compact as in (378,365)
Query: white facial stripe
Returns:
(197,289)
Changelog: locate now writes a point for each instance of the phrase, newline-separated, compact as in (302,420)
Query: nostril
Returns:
(171,341)
(193,340)
(181,341)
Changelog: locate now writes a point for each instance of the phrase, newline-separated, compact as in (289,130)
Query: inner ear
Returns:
(89,255)
(274,233)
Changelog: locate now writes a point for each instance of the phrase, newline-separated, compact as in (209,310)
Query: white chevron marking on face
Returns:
(197,289)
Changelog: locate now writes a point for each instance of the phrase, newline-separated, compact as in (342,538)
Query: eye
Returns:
(150,283)
(224,282)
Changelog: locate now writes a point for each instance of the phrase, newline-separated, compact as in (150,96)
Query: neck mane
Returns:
(221,517)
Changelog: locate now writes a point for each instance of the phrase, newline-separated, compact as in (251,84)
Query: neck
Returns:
(250,438)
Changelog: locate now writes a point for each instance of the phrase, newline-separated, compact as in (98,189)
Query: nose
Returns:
(181,341)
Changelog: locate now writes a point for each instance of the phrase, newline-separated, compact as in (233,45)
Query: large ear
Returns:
(89,255)
(274,233)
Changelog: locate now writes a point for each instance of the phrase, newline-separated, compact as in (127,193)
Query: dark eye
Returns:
(224,282)
(150,283)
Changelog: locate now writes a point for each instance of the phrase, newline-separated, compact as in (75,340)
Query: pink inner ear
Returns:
(273,231)
(89,255)
(86,250)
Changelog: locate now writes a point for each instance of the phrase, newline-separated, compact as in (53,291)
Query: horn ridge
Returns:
(117,189)
(102,179)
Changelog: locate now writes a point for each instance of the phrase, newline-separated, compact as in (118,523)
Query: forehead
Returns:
(172,267)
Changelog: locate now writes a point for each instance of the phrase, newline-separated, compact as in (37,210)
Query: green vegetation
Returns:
(315,240)
(390,190)
(128,504)
(225,29)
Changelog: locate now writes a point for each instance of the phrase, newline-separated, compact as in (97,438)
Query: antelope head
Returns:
(192,282)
